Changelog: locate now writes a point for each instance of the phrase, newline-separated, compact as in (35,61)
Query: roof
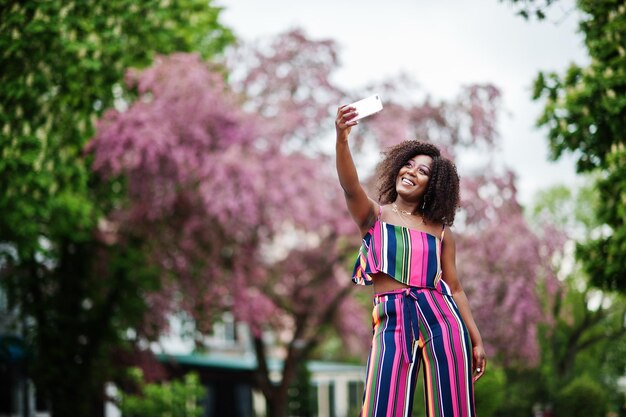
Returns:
(248,362)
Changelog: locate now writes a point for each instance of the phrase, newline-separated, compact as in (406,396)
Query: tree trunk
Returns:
(277,407)
(67,404)
(73,343)
(72,389)
(276,395)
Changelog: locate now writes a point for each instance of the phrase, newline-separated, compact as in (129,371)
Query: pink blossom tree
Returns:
(238,216)
(508,268)
(233,185)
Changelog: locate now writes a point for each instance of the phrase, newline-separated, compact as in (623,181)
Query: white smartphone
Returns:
(367,106)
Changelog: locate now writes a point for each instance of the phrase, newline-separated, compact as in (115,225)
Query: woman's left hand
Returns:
(479,362)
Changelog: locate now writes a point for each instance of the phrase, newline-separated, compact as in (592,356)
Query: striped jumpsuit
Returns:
(418,324)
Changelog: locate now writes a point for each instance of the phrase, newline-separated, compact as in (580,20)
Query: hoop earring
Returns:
(423,206)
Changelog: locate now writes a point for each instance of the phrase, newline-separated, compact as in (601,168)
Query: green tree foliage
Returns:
(489,391)
(529,9)
(585,113)
(61,62)
(586,107)
(586,333)
(301,394)
(174,398)
(605,257)
(524,389)
(583,397)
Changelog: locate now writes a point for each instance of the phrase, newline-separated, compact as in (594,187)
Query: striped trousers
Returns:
(412,326)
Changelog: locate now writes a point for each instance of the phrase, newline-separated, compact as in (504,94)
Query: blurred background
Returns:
(174,241)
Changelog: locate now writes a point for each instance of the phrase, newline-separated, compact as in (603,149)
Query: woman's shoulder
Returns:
(447,235)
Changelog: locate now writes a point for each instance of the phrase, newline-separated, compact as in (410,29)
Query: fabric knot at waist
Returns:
(410,319)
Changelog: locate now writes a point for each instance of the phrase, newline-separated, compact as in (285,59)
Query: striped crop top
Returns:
(410,256)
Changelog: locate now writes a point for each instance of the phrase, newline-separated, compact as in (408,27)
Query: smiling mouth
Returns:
(407,181)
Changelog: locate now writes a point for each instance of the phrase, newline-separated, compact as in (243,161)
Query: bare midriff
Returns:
(384,283)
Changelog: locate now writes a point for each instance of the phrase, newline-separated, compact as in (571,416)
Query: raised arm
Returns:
(362,209)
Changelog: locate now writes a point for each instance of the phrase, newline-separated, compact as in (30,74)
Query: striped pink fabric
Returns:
(410,256)
(414,327)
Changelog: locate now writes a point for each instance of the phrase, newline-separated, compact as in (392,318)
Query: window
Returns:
(314,400)
(224,331)
(355,395)
(331,400)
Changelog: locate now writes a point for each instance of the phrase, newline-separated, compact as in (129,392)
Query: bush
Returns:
(524,388)
(172,398)
(489,392)
(583,397)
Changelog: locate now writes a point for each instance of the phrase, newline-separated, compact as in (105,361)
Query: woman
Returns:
(421,313)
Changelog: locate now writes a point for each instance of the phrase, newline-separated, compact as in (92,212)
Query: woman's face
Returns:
(413,177)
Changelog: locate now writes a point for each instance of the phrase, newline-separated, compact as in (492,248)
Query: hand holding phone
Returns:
(367,107)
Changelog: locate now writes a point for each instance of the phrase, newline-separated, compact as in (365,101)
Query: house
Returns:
(337,388)
(227,371)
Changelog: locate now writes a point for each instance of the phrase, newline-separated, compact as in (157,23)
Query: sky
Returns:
(444,45)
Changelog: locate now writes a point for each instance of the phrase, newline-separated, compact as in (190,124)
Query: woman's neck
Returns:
(405,207)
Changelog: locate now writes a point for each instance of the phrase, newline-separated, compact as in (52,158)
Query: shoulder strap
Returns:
(443,231)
